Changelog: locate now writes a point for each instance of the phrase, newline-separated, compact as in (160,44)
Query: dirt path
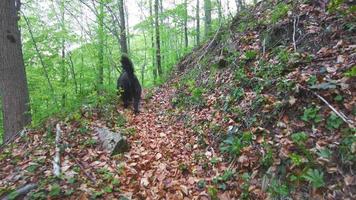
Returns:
(162,160)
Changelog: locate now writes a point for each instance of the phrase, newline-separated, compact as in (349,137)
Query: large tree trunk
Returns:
(158,40)
(13,83)
(123,39)
(207,10)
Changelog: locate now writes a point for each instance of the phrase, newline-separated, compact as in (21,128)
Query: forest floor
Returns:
(264,110)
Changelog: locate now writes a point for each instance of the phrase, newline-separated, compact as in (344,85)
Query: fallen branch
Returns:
(82,168)
(57,157)
(339,113)
(22,191)
(294,30)
(208,46)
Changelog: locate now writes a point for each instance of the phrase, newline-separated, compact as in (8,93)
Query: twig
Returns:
(208,47)
(294,30)
(21,191)
(13,138)
(57,157)
(339,113)
(82,167)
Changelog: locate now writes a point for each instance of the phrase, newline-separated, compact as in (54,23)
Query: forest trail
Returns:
(161,161)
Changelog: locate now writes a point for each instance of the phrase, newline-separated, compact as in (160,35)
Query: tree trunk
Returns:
(127,26)
(220,10)
(154,68)
(198,21)
(186,42)
(100,66)
(158,40)
(123,39)
(63,65)
(207,10)
(13,82)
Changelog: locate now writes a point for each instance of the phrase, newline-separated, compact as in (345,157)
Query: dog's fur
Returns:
(129,85)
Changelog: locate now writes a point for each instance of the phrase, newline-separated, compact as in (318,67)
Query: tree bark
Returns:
(100,66)
(220,13)
(63,65)
(158,40)
(13,82)
(123,39)
(154,68)
(198,21)
(186,39)
(207,10)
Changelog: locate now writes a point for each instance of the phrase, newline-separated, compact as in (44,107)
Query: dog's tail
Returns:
(127,64)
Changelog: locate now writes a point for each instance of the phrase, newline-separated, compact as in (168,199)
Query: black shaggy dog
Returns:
(128,84)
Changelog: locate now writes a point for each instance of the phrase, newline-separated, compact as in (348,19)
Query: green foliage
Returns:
(334,5)
(351,72)
(201,184)
(250,55)
(315,178)
(300,138)
(347,146)
(324,153)
(234,144)
(334,122)
(279,12)
(296,159)
(311,114)
(277,189)
(267,158)
(245,195)
(213,193)
(55,190)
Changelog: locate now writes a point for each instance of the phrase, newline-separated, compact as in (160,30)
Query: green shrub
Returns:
(315,178)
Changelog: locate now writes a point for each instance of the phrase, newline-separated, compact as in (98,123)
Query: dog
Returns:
(128,85)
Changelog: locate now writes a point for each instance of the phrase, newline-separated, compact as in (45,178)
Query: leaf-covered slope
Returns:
(275,91)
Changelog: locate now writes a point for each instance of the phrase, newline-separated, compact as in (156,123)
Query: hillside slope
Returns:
(263,110)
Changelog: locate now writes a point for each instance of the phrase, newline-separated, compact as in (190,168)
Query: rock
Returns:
(113,142)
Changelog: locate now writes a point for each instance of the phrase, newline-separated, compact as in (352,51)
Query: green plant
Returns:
(201,184)
(238,93)
(245,195)
(351,72)
(315,178)
(120,120)
(324,153)
(279,11)
(55,190)
(277,189)
(312,80)
(334,122)
(296,159)
(234,144)
(339,98)
(90,142)
(213,193)
(214,160)
(299,138)
(347,147)
(250,55)
(311,114)
(267,158)
(283,56)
